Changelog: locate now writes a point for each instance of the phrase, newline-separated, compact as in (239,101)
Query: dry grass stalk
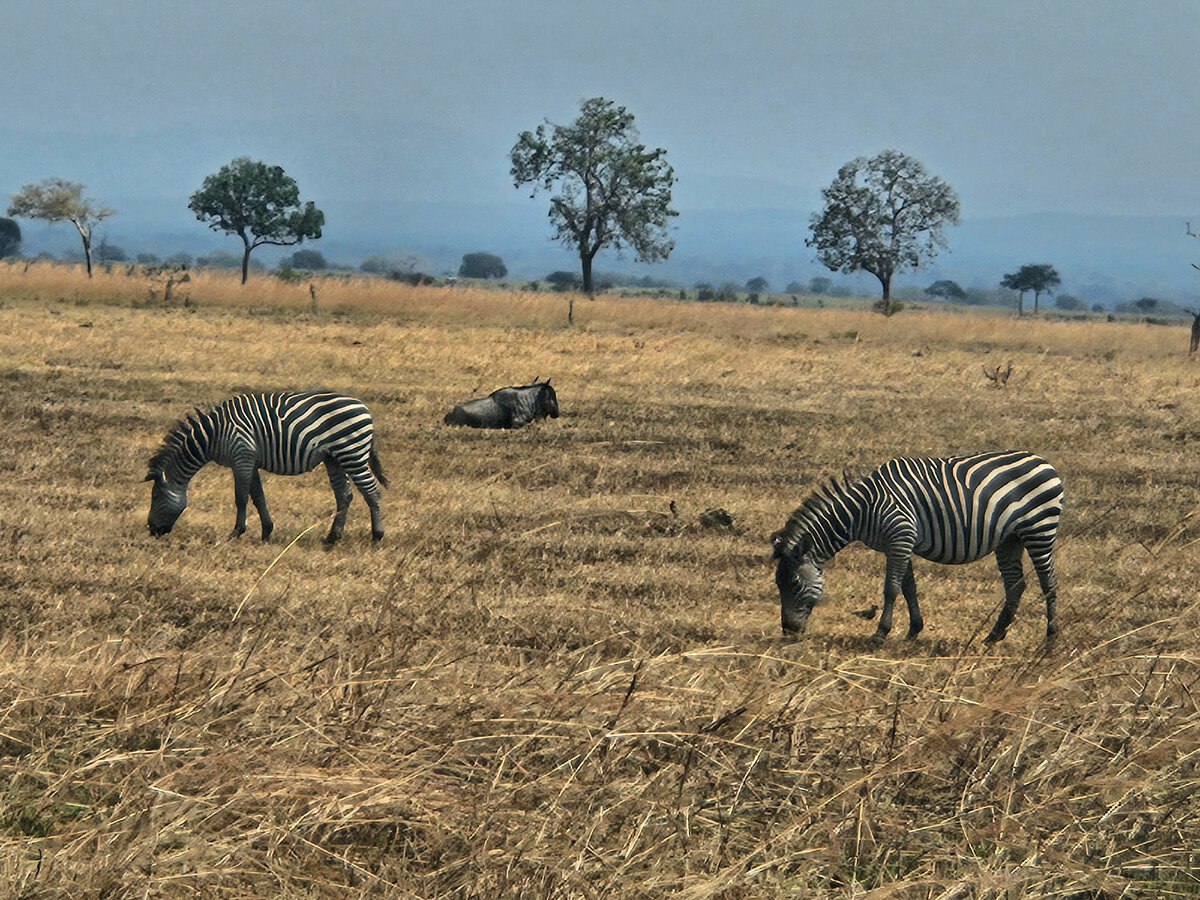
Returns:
(551,680)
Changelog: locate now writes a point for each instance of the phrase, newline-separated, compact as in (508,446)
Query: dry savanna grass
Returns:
(554,678)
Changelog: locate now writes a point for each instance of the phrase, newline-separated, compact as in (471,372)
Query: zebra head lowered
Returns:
(169,474)
(167,501)
(799,574)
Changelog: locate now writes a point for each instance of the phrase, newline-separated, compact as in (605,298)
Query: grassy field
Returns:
(555,677)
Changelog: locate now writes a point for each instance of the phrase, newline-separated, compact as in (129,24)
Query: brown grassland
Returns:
(551,679)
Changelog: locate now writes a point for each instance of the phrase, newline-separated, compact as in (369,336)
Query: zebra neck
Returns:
(841,522)
(829,538)
(192,446)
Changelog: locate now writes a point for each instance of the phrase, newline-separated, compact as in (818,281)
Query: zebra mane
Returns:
(816,508)
(173,441)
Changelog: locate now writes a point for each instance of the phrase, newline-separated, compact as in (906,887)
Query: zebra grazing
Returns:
(285,433)
(510,407)
(954,511)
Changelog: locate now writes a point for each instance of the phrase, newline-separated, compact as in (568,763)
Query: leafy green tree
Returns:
(1070,303)
(820,285)
(308,259)
(1037,277)
(259,203)
(883,215)
(10,238)
(610,190)
(947,290)
(57,200)
(482,265)
(757,285)
(562,280)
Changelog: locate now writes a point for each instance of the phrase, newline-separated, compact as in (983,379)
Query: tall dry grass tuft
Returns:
(556,677)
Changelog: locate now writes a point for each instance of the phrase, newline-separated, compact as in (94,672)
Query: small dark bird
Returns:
(867,613)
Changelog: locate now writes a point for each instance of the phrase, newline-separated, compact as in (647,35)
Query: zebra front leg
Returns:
(260,503)
(242,479)
(344,495)
(909,587)
(893,578)
(1012,572)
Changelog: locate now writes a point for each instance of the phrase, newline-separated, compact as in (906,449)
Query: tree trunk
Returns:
(585,260)
(246,262)
(86,238)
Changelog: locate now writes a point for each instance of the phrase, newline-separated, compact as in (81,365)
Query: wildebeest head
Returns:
(167,501)
(799,576)
(547,401)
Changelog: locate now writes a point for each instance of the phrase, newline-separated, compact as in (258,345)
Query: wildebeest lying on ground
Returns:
(509,407)
(284,433)
(953,510)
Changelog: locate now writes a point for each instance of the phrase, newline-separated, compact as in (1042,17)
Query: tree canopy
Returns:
(610,191)
(883,215)
(947,290)
(1037,277)
(257,202)
(482,265)
(58,200)
(308,259)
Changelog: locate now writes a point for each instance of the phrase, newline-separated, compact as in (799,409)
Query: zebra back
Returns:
(958,509)
(288,432)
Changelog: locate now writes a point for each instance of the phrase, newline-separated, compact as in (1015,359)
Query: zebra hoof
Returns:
(995,636)
(330,539)
(877,639)
(376,536)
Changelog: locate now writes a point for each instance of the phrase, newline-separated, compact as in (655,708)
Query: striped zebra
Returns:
(510,407)
(284,433)
(955,510)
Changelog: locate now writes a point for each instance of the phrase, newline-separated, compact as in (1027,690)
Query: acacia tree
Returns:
(58,200)
(482,265)
(947,290)
(1040,278)
(883,215)
(259,203)
(611,191)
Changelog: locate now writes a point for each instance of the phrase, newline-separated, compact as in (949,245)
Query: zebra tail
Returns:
(377,468)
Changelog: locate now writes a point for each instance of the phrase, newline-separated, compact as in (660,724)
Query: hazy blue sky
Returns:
(1072,105)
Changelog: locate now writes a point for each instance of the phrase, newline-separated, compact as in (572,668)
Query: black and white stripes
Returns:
(283,433)
(955,510)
